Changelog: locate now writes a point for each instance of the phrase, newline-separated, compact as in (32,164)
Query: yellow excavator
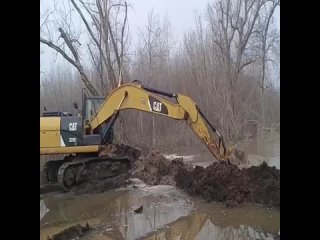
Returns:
(86,139)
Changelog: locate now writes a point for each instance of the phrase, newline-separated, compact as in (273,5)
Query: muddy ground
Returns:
(74,232)
(224,182)
(220,181)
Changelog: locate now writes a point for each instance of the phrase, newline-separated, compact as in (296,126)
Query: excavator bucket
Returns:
(220,153)
(230,151)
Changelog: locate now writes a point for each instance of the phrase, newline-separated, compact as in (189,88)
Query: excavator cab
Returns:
(90,106)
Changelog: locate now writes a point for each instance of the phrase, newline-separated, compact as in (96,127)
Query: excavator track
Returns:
(76,169)
(80,170)
(50,170)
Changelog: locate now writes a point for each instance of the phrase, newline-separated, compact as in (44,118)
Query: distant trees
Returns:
(241,31)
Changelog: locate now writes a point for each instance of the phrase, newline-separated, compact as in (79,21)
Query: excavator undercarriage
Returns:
(86,141)
(75,169)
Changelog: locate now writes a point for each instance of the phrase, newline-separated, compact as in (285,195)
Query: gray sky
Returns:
(181,14)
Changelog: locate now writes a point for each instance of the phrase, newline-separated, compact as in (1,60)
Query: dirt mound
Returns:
(225,182)
(121,150)
(155,169)
(74,232)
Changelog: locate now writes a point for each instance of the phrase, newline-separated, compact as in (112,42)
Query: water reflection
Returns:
(113,212)
(205,227)
(167,214)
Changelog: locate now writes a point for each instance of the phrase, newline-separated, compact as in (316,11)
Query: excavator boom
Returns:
(136,96)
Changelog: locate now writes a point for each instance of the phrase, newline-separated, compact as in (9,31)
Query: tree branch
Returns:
(59,50)
(122,44)
(97,67)
(69,44)
(104,26)
(245,64)
(76,63)
(89,30)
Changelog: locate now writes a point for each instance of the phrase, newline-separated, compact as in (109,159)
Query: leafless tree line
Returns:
(223,64)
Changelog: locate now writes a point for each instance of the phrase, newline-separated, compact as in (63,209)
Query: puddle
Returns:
(167,213)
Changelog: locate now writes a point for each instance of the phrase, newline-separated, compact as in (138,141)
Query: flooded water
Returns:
(265,148)
(167,212)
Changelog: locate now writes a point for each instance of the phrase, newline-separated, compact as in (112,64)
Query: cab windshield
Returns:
(92,106)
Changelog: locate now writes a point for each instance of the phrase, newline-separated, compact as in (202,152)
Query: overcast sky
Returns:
(181,14)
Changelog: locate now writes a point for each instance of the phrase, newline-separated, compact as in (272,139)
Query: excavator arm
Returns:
(136,96)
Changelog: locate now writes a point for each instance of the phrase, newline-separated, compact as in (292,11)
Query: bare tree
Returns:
(148,51)
(109,40)
(233,22)
(72,43)
(235,25)
(75,61)
(269,39)
(108,37)
(153,53)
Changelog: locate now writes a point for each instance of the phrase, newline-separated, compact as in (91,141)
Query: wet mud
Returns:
(224,182)
(102,185)
(155,169)
(220,181)
(74,232)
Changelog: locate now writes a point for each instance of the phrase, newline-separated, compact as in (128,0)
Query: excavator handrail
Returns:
(135,95)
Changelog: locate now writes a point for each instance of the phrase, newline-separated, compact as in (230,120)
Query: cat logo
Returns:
(157,106)
(73,127)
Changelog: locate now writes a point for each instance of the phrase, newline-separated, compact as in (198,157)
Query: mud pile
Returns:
(74,232)
(224,182)
(155,169)
(121,150)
